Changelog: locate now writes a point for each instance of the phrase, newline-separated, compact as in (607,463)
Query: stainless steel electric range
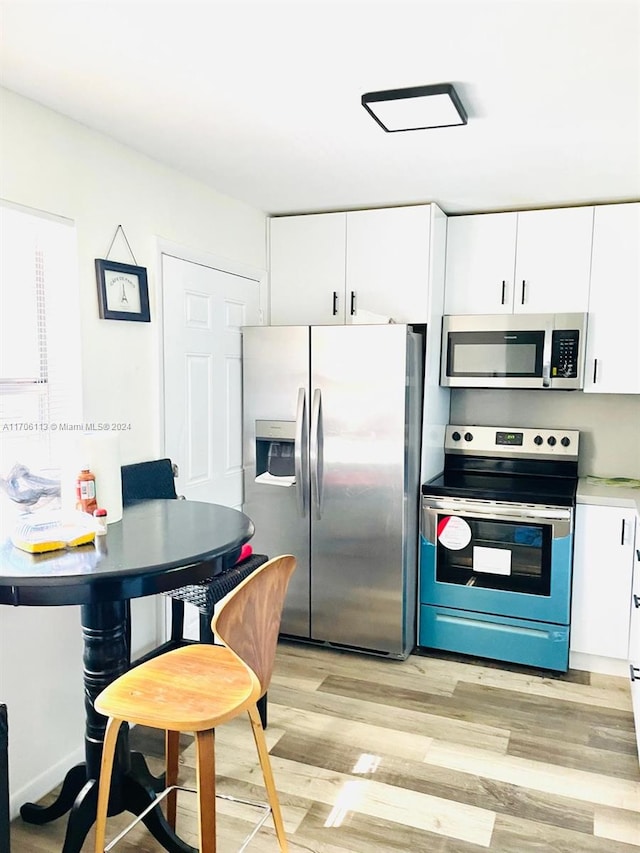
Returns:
(496,545)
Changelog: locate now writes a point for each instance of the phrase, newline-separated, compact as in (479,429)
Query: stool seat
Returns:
(189,689)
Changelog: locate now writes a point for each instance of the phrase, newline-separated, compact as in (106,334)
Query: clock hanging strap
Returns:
(120,228)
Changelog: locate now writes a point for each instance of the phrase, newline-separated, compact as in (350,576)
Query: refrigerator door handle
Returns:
(300,452)
(315,453)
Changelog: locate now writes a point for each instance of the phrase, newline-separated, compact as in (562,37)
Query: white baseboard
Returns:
(44,783)
(603,666)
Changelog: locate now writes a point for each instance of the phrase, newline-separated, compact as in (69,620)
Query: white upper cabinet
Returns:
(553,260)
(307,269)
(613,340)
(530,262)
(481,257)
(387,268)
(356,266)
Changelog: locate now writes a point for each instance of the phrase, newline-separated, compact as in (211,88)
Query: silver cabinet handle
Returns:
(595,370)
(352,309)
(334,310)
(622,532)
(301,452)
(315,454)
(524,288)
(504,292)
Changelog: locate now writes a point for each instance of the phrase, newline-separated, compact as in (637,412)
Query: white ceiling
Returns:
(261,100)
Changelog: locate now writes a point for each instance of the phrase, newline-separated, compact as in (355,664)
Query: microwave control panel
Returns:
(564,353)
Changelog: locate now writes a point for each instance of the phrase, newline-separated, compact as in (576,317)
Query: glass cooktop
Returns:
(514,488)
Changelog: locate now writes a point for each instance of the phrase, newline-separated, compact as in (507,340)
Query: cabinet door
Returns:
(602,575)
(480,263)
(553,260)
(307,257)
(388,264)
(634,639)
(613,343)
(634,633)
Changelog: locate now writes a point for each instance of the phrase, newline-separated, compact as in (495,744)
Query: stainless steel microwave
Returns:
(513,351)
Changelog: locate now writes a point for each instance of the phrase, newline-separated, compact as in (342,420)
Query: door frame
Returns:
(207,259)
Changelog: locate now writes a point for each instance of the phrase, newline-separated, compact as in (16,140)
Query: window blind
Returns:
(40,355)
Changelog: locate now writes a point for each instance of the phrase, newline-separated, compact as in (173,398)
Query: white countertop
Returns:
(606,495)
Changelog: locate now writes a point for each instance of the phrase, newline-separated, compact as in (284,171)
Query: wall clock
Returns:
(123,293)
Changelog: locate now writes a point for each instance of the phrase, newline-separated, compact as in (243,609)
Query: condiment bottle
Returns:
(86,491)
(100,516)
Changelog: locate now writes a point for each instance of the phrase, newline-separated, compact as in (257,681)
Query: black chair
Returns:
(143,481)
(206,595)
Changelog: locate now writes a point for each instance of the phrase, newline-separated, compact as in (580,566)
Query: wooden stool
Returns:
(198,688)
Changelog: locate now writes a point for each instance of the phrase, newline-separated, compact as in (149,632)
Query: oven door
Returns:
(500,558)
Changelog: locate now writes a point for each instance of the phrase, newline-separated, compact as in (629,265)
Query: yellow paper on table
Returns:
(38,533)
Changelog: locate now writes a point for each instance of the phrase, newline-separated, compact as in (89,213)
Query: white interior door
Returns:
(203,311)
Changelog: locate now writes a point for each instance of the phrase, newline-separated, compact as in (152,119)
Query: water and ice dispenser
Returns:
(275,452)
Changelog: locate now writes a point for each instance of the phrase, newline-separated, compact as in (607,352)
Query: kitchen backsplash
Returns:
(609,424)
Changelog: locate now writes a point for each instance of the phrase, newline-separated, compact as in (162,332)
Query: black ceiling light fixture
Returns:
(416,108)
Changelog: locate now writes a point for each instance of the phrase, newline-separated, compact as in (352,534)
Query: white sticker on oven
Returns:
(495,561)
(454,532)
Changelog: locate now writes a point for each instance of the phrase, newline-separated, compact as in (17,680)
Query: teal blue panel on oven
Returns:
(495,637)
(427,569)
(552,608)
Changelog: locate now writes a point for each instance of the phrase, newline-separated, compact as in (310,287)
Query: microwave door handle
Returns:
(301,453)
(546,357)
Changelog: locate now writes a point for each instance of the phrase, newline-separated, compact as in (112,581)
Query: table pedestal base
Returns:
(106,656)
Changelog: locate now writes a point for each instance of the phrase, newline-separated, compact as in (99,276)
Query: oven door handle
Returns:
(501,513)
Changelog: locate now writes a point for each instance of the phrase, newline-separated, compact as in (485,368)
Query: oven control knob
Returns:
(455,436)
(551,440)
(565,442)
(468,436)
(538,440)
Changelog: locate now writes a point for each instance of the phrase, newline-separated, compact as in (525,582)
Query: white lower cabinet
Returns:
(634,639)
(602,581)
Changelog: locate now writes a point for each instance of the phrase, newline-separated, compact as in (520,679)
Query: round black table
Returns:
(157,546)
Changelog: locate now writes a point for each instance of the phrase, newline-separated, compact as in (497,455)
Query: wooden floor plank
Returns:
(440,754)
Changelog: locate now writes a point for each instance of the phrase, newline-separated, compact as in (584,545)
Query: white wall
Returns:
(53,164)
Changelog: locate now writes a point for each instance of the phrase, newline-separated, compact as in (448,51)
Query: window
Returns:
(40,370)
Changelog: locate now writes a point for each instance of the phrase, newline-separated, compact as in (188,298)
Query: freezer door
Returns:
(362,545)
(275,435)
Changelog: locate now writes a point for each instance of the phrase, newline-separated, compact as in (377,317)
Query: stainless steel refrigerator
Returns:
(331,443)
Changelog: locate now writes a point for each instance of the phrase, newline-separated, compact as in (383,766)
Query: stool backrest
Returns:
(248,621)
(145,481)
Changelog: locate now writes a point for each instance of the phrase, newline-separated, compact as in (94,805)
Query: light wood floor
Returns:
(436,755)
